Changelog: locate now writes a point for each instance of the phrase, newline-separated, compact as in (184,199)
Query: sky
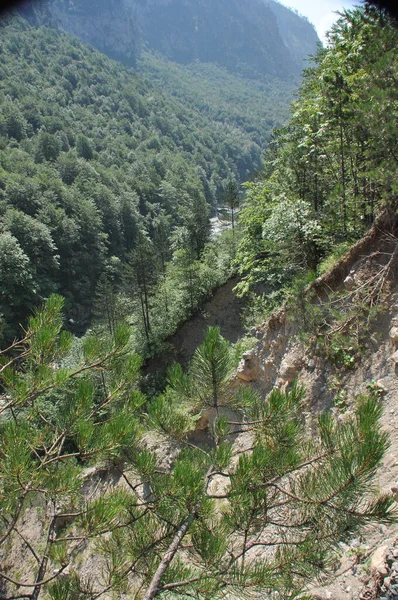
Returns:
(320,12)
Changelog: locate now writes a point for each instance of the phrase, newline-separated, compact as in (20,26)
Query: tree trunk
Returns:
(342,162)
(44,561)
(154,586)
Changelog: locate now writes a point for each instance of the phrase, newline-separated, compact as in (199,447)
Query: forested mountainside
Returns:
(134,154)
(204,487)
(256,38)
(331,167)
(253,106)
(93,153)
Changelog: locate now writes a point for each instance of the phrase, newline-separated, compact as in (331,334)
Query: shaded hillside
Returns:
(233,100)
(111,27)
(251,37)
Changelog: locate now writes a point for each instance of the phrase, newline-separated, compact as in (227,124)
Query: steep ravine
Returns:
(280,357)
(223,309)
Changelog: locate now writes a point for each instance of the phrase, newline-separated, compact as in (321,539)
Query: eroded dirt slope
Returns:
(362,289)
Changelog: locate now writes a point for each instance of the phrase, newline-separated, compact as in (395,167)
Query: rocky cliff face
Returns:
(255,38)
(241,35)
(297,33)
(109,26)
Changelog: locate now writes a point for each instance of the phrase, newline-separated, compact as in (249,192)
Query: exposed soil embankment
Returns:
(363,285)
(224,310)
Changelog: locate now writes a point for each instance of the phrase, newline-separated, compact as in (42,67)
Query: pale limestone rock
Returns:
(349,282)
(202,423)
(290,366)
(205,419)
(394,357)
(394,334)
(394,490)
(378,561)
(245,374)
(248,369)
(381,384)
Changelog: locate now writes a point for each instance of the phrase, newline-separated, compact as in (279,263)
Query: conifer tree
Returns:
(217,521)
(209,369)
(106,303)
(140,277)
(55,420)
(231,199)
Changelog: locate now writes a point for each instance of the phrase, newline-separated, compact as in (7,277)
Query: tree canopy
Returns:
(333,165)
(92,153)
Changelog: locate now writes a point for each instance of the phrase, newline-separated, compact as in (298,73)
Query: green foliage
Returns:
(48,147)
(245,110)
(83,147)
(67,425)
(96,153)
(17,285)
(171,292)
(209,369)
(327,171)
(333,257)
(67,588)
(99,175)
(342,352)
(55,420)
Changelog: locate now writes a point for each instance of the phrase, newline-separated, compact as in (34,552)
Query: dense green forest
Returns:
(94,160)
(106,187)
(331,168)
(107,183)
(229,99)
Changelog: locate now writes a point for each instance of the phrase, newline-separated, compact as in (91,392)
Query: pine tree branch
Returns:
(302,465)
(325,501)
(32,585)
(189,581)
(154,586)
(36,392)
(12,360)
(131,567)
(107,401)
(81,538)
(27,543)
(16,344)
(277,478)
(44,560)
(75,454)
(16,514)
